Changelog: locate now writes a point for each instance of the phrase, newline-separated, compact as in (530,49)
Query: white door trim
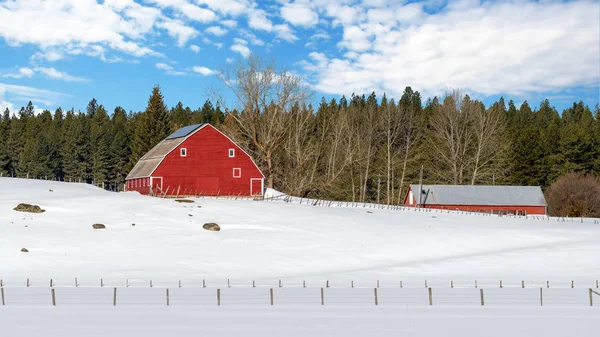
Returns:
(262,185)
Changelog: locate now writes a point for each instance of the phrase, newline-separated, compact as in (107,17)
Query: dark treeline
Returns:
(360,148)
(91,146)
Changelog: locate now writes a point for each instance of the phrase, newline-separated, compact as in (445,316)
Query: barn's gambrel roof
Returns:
(150,161)
(479,195)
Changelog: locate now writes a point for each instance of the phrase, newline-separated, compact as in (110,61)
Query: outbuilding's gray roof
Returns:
(479,195)
(150,161)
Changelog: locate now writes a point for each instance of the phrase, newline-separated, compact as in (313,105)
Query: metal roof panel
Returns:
(480,195)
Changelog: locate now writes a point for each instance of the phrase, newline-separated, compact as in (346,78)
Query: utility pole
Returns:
(421,186)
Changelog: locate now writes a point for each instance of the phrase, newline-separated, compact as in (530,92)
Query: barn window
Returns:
(183,152)
(237,172)
(231,153)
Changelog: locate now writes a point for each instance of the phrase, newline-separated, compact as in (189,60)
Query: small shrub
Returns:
(574,195)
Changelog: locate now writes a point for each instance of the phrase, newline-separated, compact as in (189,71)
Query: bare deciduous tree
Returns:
(266,96)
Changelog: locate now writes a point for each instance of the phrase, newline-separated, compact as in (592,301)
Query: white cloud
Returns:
(284,32)
(203,71)
(241,48)
(24,94)
(251,37)
(48,72)
(178,29)
(169,70)
(216,31)
(229,23)
(82,25)
(257,19)
(22,72)
(508,47)
(195,48)
(228,7)
(59,75)
(299,14)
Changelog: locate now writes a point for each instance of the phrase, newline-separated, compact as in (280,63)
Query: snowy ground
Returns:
(271,241)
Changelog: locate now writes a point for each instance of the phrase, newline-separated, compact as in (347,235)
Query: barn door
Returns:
(256,186)
(156,184)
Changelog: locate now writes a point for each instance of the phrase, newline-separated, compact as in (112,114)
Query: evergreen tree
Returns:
(120,146)
(92,107)
(153,126)
(100,139)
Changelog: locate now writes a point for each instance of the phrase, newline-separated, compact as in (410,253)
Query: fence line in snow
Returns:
(116,296)
(373,206)
(314,202)
(412,284)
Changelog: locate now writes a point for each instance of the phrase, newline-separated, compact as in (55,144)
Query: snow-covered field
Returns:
(266,242)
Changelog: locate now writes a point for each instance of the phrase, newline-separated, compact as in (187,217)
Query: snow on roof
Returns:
(150,161)
(480,195)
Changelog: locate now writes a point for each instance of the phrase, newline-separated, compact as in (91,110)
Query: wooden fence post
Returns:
(280,284)
(203,283)
(430,297)
(3,303)
(218,296)
(115,296)
(253,284)
(481,295)
(475,284)
(377,283)
(591,299)
(452,284)
(271,291)
(352,284)
(541,297)
(150,283)
(304,284)
(323,297)
(179,283)
(27,283)
(523,284)
(101,283)
(53,297)
(228,284)
(425,283)
(548,284)
(572,284)
(376,299)
(500,283)
(168,296)
(327,284)
(76,283)
(50,283)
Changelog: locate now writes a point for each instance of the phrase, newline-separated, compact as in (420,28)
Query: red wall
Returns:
(539,210)
(206,168)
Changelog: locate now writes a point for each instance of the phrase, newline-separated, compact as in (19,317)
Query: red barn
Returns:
(196,160)
(520,200)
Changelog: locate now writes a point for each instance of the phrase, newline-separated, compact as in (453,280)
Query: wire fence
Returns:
(117,186)
(370,207)
(297,297)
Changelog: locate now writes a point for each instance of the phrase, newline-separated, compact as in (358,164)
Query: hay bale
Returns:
(28,208)
(25,250)
(98,226)
(186,201)
(211,226)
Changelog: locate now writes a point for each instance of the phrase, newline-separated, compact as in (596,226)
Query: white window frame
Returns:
(231,153)
(183,152)
(239,170)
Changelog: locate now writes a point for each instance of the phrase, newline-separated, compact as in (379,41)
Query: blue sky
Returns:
(66,52)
